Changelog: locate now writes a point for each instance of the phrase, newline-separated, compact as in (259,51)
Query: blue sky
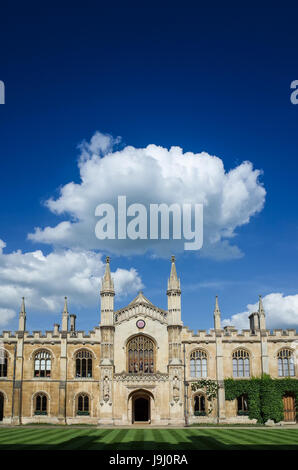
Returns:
(214,79)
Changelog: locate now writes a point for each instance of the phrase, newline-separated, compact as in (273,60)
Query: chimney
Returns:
(72,323)
(254,321)
(56,329)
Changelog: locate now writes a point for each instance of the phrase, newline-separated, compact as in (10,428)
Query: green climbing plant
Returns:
(264,395)
(211,390)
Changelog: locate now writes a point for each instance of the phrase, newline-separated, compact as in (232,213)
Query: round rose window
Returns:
(141,324)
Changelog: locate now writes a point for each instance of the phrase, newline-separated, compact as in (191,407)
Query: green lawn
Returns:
(68,438)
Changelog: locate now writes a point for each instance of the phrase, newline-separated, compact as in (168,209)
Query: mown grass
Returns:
(68,438)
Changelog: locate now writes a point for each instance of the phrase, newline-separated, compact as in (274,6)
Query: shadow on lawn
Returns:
(97,443)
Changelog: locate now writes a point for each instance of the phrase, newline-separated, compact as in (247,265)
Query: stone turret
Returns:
(174,296)
(107,294)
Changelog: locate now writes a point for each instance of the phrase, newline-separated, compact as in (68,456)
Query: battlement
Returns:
(233,334)
(54,335)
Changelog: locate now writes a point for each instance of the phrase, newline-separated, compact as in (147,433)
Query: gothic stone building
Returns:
(136,366)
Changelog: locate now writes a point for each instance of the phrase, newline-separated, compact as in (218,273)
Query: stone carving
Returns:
(106,389)
(141,378)
(176,389)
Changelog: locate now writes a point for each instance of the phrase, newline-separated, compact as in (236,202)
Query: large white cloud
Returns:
(45,279)
(281,312)
(153,175)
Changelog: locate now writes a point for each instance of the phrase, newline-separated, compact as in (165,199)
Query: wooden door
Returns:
(289,408)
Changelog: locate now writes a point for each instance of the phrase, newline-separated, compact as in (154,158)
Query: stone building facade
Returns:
(136,366)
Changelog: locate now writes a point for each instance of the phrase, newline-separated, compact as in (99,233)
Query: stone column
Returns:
(221,413)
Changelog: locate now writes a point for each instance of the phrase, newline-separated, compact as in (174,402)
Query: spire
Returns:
(22,316)
(107,284)
(261,313)
(65,310)
(23,310)
(216,309)
(65,316)
(173,282)
(261,308)
(217,325)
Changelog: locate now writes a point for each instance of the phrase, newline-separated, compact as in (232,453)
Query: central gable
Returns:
(140,306)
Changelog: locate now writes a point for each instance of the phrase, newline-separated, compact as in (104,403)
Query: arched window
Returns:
(242,405)
(241,367)
(3,363)
(83,363)
(198,363)
(286,367)
(199,405)
(41,404)
(83,404)
(140,351)
(42,364)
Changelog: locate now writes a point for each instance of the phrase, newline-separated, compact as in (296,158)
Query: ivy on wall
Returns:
(264,395)
(210,387)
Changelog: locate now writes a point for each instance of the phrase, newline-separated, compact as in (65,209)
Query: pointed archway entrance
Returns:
(141,407)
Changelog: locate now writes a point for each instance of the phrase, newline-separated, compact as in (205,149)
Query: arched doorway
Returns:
(289,407)
(141,407)
(1,406)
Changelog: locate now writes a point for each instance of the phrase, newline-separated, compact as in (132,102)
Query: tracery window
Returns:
(140,351)
(198,363)
(83,404)
(199,404)
(286,366)
(42,364)
(241,363)
(3,363)
(83,363)
(41,404)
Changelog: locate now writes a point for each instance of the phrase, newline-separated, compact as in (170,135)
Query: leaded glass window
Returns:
(83,404)
(3,363)
(41,403)
(42,364)
(241,363)
(140,350)
(198,363)
(286,366)
(84,363)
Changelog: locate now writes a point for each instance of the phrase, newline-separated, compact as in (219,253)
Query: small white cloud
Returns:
(154,175)
(44,280)
(281,312)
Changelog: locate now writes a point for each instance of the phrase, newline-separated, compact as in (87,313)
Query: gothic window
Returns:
(83,404)
(242,405)
(198,363)
(42,364)
(83,363)
(286,367)
(241,366)
(3,363)
(199,405)
(41,404)
(140,350)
